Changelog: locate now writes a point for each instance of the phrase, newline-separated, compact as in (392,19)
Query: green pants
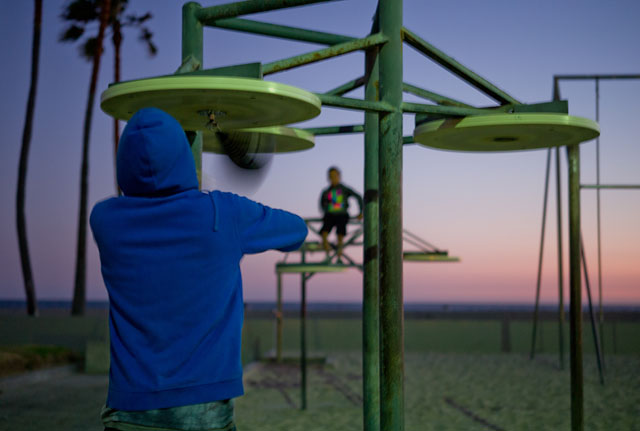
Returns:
(213,416)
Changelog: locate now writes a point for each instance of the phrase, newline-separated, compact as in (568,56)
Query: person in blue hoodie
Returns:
(170,259)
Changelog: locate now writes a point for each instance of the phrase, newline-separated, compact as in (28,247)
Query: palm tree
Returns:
(117,23)
(29,285)
(79,291)
(81,13)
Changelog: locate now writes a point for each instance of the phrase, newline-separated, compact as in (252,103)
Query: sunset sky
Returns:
(485,208)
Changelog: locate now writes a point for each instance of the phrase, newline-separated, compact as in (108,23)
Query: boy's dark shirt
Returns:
(335,199)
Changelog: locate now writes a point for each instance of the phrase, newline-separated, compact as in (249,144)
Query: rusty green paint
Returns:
(192,53)
(390,220)
(323,54)
(575,292)
(356,104)
(281,31)
(370,286)
(208,16)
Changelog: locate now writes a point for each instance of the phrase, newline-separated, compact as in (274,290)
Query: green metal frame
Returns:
(384,107)
(576,255)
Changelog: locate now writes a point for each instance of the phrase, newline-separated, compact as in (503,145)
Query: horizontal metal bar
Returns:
(357,104)
(457,68)
(208,15)
(322,54)
(434,97)
(281,31)
(442,110)
(347,87)
(417,238)
(601,77)
(335,130)
(352,220)
(610,186)
(407,140)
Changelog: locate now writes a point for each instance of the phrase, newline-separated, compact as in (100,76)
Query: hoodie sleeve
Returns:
(261,228)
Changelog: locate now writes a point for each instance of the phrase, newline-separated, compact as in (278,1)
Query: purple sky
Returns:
(485,208)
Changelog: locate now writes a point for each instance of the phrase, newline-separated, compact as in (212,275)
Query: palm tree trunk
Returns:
(79,292)
(117,42)
(29,285)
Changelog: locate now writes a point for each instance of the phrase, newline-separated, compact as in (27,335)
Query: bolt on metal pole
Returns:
(371,289)
(192,35)
(575,291)
(390,220)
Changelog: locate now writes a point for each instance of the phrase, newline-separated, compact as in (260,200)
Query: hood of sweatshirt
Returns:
(154,158)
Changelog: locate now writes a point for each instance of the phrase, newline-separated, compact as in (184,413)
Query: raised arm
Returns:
(358,197)
(261,228)
(323,201)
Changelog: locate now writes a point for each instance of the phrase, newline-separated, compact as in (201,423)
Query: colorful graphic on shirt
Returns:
(336,200)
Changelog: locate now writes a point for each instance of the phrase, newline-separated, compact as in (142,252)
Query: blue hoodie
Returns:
(170,258)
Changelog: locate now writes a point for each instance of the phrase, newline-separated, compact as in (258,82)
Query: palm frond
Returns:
(81,11)
(72,33)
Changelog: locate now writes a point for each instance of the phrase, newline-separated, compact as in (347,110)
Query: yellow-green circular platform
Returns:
(416,256)
(237,103)
(276,139)
(310,267)
(506,132)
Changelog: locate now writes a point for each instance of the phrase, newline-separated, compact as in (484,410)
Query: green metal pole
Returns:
(434,97)
(594,329)
(560,262)
(575,291)
(451,111)
(209,15)
(371,292)
(598,210)
(390,220)
(556,97)
(347,87)
(279,320)
(336,130)
(281,31)
(355,104)
(303,338)
(540,256)
(192,52)
(322,54)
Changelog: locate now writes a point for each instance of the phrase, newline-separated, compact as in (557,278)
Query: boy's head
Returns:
(154,157)
(334,175)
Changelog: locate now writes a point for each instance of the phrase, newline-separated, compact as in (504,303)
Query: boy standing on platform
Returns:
(334,203)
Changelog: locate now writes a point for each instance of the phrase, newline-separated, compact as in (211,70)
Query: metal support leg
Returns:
(371,293)
(540,256)
(279,320)
(575,284)
(560,264)
(594,329)
(303,342)
(390,225)
(192,47)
